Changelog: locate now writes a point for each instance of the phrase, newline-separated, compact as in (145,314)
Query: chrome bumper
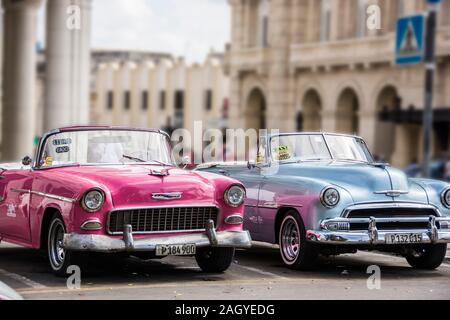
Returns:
(100,243)
(373,236)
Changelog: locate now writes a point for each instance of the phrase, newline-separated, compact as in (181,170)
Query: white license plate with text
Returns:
(400,238)
(176,250)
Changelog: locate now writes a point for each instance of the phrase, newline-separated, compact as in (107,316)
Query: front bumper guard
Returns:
(374,236)
(101,243)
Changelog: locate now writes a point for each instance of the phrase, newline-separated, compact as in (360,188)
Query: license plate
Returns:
(175,250)
(400,238)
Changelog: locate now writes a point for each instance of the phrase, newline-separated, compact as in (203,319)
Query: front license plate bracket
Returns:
(403,238)
(175,250)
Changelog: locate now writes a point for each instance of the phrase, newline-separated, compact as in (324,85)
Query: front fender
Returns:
(434,190)
(304,195)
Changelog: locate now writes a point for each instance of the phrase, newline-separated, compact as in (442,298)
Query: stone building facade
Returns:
(313,65)
(158,91)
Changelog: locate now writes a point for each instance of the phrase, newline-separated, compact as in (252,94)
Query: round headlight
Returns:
(234,196)
(93,200)
(330,197)
(446,198)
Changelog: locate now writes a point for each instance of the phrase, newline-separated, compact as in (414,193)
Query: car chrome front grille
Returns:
(396,218)
(165,219)
(391,212)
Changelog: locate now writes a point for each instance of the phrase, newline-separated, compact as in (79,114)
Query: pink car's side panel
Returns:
(272,198)
(14,210)
(127,186)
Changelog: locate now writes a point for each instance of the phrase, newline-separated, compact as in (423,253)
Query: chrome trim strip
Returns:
(269,205)
(393,205)
(20,190)
(43,194)
(53,196)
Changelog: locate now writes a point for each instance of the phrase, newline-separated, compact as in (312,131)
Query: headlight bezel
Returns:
(83,200)
(443,197)
(227,200)
(324,202)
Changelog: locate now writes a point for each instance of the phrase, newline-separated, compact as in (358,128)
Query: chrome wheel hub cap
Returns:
(290,239)
(56,250)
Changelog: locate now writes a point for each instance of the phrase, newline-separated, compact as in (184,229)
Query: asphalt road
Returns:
(256,274)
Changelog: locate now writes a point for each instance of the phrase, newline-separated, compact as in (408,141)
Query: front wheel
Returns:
(427,257)
(214,259)
(59,258)
(295,251)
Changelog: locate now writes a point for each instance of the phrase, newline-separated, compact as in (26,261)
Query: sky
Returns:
(188,28)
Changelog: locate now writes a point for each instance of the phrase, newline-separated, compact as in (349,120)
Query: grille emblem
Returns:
(167,196)
(392,193)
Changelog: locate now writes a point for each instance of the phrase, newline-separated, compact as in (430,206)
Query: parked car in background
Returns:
(437,169)
(108,189)
(319,193)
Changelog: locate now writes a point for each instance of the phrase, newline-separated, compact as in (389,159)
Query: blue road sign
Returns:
(410,40)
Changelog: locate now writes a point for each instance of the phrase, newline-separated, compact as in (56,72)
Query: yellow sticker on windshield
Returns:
(48,161)
(282,153)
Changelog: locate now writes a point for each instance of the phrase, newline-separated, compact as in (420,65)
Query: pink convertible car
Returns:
(110,189)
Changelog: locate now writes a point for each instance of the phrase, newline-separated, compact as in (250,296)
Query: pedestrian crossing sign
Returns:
(410,40)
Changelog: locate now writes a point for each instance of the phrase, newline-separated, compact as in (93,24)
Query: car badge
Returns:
(159,172)
(392,193)
(167,196)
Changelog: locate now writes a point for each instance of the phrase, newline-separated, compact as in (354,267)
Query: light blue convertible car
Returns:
(320,193)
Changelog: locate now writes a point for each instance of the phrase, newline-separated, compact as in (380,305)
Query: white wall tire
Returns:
(296,252)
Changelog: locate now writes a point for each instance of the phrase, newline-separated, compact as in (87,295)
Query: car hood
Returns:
(364,182)
(133,185)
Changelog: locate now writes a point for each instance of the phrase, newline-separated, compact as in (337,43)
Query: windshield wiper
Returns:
(142,160)
(133,158)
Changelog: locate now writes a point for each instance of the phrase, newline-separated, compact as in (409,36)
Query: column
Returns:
(19,78)
(280,85)
(68,63)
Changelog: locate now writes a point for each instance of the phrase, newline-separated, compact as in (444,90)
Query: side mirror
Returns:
(186,160)
(26,161)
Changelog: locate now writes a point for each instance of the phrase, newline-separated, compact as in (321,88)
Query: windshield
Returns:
(310,147)
(91,147)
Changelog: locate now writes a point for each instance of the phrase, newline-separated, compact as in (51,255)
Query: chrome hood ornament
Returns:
(159,172)
(167,196)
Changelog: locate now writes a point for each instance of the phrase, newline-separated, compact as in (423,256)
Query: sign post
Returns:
(430,66)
